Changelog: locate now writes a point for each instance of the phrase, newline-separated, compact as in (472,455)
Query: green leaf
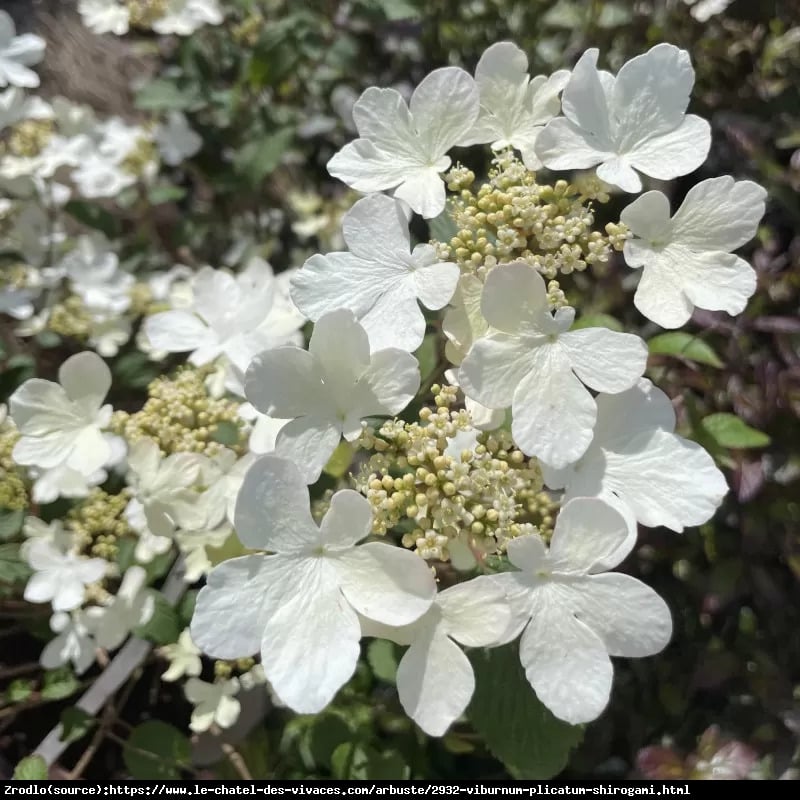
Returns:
(516,727)
(260,157)
(135,370)
(226,432)
(327,733)
(165,193)
(75,724)
(382,659)
(598,321)
(19,690)
(442,228)
(164,626)
(59,683)
(10,523)
(728,430)
(684,345)
(12,567)
(156,750)
(340,460)
(163,95)
(395,10)
(93,216)
(32,768)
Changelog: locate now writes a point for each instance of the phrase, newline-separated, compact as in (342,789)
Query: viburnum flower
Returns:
(193,546)
(61,422)
(573,618)
(131,606)
(636,459)
(17,53)
(636,121)
(300,606)
(404,147)
(380,280)
(37,530)
(327,390)
(184,17)
(176,140)
(16,106)
(63,481)
(215,703)
(73,643)
(105,16)
(183,657)
(535,364)
(686,259)
(60,578)
(435,681)
(95,276)
(514,106)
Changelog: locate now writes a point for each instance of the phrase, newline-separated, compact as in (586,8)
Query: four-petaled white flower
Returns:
(176,139)
(327,390)
(105,16)
(574,618)
(435,681)
(215,703)
(300,606)
(183,657)
(405,146)
(95,276)
(73,643)
(536,365)
(59,578)
(514,106)
(687,259)
(380,280)
(184,17)
(636,121)
(636,459)
(17,53)
(61,422)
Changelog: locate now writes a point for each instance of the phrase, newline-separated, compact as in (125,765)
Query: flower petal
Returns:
(493,369)
(308,444)
(660,299)
(514,297)
(673,154)
(86,378)
(476,612)
(177,331)
(348,520)
(606,361)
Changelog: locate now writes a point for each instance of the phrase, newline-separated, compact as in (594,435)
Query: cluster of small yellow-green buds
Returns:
(182,417)
(26,139)
(143,13)
(513,217)
(555,295)
(71,318)
(98,523)
(249,29)
(138,159)
(417,479)
(13,493)
(226,669)
(15,276)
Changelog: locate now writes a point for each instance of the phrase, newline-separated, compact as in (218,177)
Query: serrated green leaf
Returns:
(684,345)
(728,430)
(75,724)
(13,568)
(10,523)
(59,683)
(32,768)
(516,727)
(156,750)
(598,321)
(164,626)
(382,659)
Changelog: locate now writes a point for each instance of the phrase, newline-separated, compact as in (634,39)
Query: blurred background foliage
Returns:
(270,92)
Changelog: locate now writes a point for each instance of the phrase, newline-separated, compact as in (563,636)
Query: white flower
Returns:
(96,278)
(405,146)
(636,459)
(63,481)
(133,605)
(193,544)
(536,365)
(149,546)
(16,106)
(59,578)
(73,643)
(215,703)
(105,16)
(184,17)
(183,657)
(687,260)
(514,106)
(636,121)
(163,496)
(435,681)
(379,280)
(329,389)
(37,530)
(265,429)
(61,424)
(575,618)
(705,9)
(298,607)
(17,53)
(176,139)
(97,176)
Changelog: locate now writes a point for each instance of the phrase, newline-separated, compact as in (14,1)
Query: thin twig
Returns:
(233,755)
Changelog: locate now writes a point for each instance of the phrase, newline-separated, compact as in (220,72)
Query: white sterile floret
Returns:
(193,546)
(37,530)
(17,53)
(105,16)
(215,703)
(687,259)
(73,643)
(405,146)
(163,495)
(380,280)
(514,106)
(60,578)
(176,139)
(435,681)
(131,606)
(575,618)
(229,315)
(184,17)
(300,606)
(534,363)
(636,459)
(95,276)
(327,390)
(636,121)
(183,657)
(61,423)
